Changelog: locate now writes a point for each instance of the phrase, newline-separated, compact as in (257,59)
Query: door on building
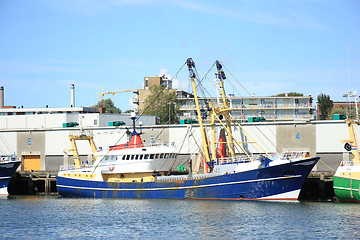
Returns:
(32,162)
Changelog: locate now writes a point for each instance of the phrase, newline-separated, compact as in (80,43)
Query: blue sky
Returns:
(307,46)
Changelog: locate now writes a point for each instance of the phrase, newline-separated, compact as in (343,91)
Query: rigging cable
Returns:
(182,144)
(107,153)
(236,79)
(243,113)
(151,103)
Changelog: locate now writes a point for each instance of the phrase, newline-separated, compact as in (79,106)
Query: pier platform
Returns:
(318,186)
(33,182)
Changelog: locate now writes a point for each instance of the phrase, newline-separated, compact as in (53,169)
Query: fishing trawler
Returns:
(8,166)
(132,170)
(346,180)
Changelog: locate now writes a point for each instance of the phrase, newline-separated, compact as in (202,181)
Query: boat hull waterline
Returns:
(347,189)
(281,182)
(7,169)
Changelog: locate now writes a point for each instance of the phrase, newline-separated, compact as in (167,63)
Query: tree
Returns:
(108,105)
(161,102)
(325,106)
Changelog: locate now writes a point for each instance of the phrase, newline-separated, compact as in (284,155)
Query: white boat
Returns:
(132,170)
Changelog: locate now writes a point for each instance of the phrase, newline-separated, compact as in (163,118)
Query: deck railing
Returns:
(4,158)
(347,163)
(245,158)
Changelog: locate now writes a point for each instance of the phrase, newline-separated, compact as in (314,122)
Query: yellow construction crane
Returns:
(101,95)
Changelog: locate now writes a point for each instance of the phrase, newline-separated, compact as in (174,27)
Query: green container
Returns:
(70,124)
(116,123)
(256,119)
(187,121)
(339,116)
(73,124)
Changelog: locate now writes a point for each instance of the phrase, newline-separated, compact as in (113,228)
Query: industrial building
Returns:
(287,108)
(40,136)
(43,144)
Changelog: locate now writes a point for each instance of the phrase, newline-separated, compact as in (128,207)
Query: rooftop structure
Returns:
(47,110)
(148,83)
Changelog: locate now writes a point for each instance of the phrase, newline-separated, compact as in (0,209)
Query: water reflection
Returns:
(55,217)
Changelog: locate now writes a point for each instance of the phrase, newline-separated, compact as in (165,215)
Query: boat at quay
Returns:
(8,166)
(132,170)
(346,180)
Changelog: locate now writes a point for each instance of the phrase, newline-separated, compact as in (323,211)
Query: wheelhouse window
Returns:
(108,159)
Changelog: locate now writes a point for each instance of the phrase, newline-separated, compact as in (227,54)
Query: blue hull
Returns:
(250,185)
(7,170)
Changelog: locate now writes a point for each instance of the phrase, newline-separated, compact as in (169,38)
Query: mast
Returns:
(353,141)
(225,110)
(352,144)
(190,63)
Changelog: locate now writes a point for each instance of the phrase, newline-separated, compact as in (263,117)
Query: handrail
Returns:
(347,163)
(244,158)
(5,158)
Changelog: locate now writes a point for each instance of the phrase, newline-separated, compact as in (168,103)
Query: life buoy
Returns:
(347,147)
(111,168)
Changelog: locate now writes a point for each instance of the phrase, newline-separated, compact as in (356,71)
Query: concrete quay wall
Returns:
(319,138)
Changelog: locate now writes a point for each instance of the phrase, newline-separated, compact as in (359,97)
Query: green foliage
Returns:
(350,111)
(325,106)
(108,105)
(290,94)
(157,103)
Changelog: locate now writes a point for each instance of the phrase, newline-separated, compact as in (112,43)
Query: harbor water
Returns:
(55,217)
